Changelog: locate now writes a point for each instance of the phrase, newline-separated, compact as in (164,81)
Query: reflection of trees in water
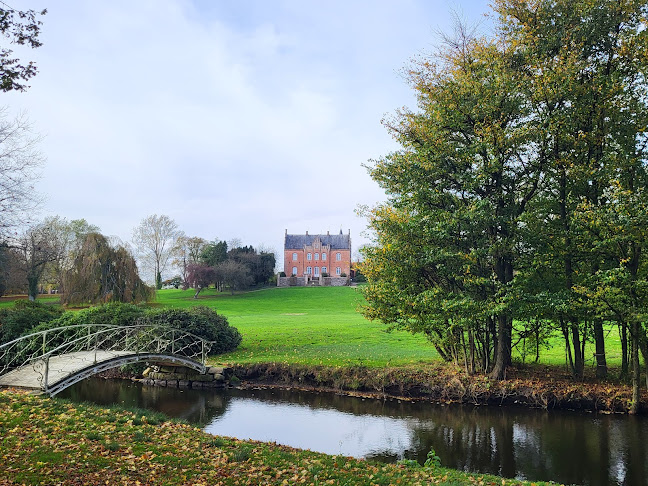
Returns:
(566,447)
(196,406)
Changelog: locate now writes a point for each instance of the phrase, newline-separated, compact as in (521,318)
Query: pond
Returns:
(566,447)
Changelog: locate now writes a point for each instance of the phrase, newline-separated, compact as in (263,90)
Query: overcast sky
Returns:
(237,119)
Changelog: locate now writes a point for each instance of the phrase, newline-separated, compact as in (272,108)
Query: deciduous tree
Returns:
(199,277)
(21,28)
(103,273)
(154,239)
(38,246)
(20,162)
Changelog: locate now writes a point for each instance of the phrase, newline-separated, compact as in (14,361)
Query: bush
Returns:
(282,274)
(114,313)
(359,277)
(201,321)
(24,317)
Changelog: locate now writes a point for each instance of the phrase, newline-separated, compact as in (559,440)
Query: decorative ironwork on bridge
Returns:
(54,359)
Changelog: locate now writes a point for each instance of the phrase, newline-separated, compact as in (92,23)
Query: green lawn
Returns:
(321,325)
(44,299)
(316,325)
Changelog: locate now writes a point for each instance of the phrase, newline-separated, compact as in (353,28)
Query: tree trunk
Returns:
(32,285)
(636,370)
(623,331)
(503,357)
(579,364)
(599,339)
(644,351)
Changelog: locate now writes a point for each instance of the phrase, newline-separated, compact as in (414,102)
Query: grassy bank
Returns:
(49,441)
(441,382)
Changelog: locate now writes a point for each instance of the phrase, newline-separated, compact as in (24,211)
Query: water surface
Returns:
(566,447)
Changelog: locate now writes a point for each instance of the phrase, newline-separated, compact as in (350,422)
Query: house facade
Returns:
(315,257)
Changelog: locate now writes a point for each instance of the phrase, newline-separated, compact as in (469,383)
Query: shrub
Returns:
(282,274)
(114,313)
(359,277)
(201,321)
(24,317)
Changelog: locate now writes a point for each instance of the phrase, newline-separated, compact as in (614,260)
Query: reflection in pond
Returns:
(566,447)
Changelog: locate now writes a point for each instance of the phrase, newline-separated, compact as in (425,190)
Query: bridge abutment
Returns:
(183,377)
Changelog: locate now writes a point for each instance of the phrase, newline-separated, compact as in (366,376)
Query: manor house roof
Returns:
(337,242)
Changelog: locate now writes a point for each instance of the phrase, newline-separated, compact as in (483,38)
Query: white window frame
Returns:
(338,271)
(309,256)
(294,272)
(294,257)
(317,273)
(316,256)
(324,270)
(323,257)
(309,270)
(338,256)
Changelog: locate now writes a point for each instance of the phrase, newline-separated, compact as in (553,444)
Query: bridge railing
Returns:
(39,347)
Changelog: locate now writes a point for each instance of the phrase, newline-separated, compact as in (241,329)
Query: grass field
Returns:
(316,325)
(321,325)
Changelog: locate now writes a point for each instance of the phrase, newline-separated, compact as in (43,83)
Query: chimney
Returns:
(307,233)
(286,231)
(328,234)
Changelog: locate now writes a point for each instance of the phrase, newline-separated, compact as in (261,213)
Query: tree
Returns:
(234,275)
(40,245)
(70,237)
(260,265)
(448,238)
(587,88)
(103,273)
(213,253)
(199,277)
(187,251)
(519,190)
(19,164)
(155,238)
(22,28)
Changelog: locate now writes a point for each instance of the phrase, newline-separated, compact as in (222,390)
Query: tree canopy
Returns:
(517,195)
(21,28)
(103,273)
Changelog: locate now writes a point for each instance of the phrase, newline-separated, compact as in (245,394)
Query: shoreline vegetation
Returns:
(444,383)
(52,441)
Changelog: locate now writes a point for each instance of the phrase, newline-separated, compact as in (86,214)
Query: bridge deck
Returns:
(60,367)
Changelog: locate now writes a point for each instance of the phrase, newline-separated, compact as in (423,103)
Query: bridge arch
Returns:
(54,359)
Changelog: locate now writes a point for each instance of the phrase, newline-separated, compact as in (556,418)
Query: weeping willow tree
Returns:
(103,273)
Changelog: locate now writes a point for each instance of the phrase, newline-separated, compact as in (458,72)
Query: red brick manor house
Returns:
(317,259)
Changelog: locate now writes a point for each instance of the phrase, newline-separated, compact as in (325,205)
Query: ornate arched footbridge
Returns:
(54,359)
